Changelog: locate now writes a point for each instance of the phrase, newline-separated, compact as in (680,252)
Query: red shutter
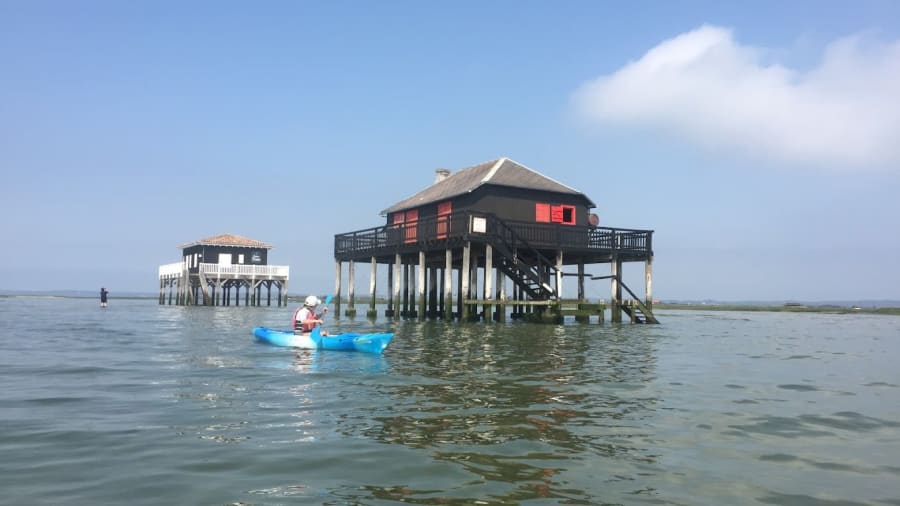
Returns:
(556,214)
(542,213)
(443,221)
(412,223)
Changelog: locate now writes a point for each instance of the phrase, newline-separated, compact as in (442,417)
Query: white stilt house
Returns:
(213,272)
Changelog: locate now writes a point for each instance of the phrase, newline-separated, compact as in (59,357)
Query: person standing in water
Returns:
(104,297)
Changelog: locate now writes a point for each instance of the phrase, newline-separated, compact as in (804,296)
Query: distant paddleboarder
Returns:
(104,296)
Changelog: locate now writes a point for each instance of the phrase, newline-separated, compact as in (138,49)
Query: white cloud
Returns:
(705,87)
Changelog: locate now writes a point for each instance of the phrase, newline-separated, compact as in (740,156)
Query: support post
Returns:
(488,281)
(559,275)
(351,289)
(398,276)
(464,274)
(372,313)
(337,287)
(615,305)
(581,281)
(432,292)
(448,285)
(473,284)
(581,318)
(420,289)
(409,290)
(501,296)
(389,312)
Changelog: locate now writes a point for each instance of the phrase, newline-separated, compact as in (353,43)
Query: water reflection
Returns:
(517,406)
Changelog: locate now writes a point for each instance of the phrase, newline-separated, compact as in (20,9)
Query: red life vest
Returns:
(299,324)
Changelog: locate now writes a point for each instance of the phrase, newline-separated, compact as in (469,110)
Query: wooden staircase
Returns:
(532,272)
(637,310)
(522,263)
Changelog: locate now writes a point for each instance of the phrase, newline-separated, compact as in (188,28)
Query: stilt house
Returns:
(495,216)
(211,268)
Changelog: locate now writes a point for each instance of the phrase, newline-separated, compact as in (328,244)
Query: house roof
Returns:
(228,240)
(500,172)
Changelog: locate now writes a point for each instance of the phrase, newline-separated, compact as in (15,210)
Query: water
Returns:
(148,404)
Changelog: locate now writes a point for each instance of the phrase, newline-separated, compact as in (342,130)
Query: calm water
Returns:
(148,404)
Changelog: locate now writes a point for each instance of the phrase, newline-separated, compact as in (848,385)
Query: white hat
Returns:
(312,300)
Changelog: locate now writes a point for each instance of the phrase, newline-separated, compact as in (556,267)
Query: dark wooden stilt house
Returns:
(211,268)
(487,228)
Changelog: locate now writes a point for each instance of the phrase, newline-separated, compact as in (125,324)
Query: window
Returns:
(568,215)
(546,213)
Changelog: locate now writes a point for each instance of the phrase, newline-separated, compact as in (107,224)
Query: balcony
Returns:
(434,233)
(228,271)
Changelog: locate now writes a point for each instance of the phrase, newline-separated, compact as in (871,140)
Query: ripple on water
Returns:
(789,427)
(830,465)
(805,500)
(799,388)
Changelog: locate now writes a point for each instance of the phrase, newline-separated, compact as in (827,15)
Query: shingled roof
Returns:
(500,172)
(228,240)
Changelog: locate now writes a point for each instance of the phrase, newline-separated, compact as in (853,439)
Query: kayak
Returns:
(369,343)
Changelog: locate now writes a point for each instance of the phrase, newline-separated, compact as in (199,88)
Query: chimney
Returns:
(440,175)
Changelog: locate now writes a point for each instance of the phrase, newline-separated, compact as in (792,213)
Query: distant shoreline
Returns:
(706,306)
(785,308)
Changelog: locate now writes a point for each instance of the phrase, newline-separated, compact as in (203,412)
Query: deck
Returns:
(587,245)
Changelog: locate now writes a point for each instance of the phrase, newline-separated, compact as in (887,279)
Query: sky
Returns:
(760,141)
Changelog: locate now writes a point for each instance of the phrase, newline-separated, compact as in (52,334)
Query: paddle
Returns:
(316,334)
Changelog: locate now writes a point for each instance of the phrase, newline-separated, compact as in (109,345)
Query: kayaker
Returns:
(306,318)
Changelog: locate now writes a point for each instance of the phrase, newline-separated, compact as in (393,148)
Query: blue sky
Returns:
(760,140)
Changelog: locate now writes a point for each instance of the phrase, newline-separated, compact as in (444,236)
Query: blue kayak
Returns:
(369,343)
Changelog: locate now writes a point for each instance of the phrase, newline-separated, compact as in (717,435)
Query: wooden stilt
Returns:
(559,275)
(465,274)
(351,289)
(448,284)
(397,283)
(501,296)
(389,312)
(406,281)
(372,313)
(337,287)
(420,280)
(473,284)
(581,282)
(432,292)
(488,282)
(616,291)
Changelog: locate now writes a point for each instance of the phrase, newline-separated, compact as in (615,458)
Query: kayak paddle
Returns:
(316,334)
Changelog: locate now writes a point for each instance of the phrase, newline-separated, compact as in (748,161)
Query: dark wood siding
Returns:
(210,255)
(510,204)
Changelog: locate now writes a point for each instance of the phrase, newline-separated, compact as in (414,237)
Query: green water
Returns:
(148,404)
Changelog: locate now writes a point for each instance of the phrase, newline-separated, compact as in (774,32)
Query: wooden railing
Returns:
(259,271)
(224,270)
(171,270)
(483,227)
